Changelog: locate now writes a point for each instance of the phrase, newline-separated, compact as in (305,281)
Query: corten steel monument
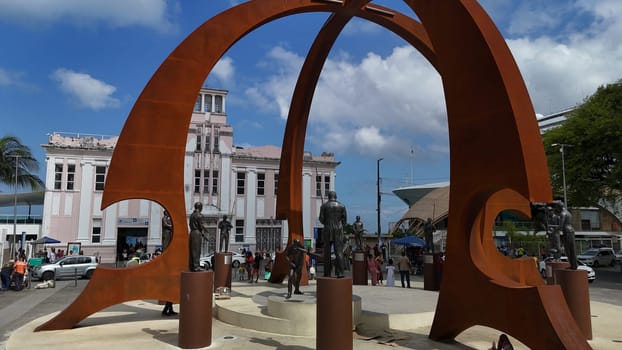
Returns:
(484,91)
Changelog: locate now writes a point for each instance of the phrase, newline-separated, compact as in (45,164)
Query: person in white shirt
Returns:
(51,255)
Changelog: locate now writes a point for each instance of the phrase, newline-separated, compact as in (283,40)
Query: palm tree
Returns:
(10,148)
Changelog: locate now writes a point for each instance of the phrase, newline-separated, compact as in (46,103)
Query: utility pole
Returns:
(15,207)
(378,192)
(561,149)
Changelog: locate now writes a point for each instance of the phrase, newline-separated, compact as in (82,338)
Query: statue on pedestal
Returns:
(167,230)
(428,233)
(357,228)
(567,232)
(555,219)
(167,235)
(197,233)
(225,228)
(295,254)
(333,216)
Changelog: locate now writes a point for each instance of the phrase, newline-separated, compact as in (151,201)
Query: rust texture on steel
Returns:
(483,90)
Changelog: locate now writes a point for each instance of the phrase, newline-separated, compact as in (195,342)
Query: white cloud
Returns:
(15,80)
(383,104)
(5,78)
(86,90)
(224,71)
(117,13)
(561,74)
(364,107)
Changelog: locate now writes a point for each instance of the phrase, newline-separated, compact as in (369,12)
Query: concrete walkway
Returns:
(140,325)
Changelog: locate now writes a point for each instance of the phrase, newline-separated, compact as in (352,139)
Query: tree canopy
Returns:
(11,149)
(592,139)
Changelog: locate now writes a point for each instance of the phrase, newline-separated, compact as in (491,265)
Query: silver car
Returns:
(238,259)
(81,266)
(598,257)
(591,274)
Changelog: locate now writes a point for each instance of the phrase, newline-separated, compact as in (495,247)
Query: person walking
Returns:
(378,261)
(373,269)
(256,266)
(390,273)
(6,272)
(404,267)
(19,270)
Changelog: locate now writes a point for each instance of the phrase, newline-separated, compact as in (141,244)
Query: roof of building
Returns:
(411,194)
(274,152)
(433,204)
(28,198)
(267,151)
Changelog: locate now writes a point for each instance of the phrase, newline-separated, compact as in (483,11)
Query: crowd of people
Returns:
(255,266)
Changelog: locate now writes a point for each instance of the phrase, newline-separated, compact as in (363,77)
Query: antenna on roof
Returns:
(412,167)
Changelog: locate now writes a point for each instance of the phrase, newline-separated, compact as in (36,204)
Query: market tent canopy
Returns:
(45,240)
(413,241)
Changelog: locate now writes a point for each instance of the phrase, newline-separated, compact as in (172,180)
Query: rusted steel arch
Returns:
(291,163)
(289,199)
(497,159)
(150,153)
(478,57)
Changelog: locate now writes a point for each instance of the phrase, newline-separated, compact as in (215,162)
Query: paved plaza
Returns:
(140,325)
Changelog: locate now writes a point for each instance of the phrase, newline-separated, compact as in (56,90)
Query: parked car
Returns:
(598,257)
(591,274)
(205,262)
(619,256)
(67,266)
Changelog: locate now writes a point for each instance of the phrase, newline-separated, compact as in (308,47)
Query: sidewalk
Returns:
(139,324)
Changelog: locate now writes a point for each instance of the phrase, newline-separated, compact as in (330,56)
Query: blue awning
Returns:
(45,240)
(413,241)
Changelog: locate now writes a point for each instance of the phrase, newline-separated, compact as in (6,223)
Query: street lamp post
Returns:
(561,149)
(15,207)
(378,192)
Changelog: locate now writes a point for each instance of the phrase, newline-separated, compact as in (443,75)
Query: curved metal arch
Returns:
(151,148)
(476,67)
(291,163)
(289,199)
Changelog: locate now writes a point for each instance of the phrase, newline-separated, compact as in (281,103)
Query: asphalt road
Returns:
(607,286)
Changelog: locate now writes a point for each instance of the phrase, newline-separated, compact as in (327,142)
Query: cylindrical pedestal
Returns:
(359,269)
(195,310)
(551,267)
(304,278)
(222,269)
(429,273)
(576,291)
(334,314)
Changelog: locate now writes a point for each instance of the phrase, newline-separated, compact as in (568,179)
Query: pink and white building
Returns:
(238,182)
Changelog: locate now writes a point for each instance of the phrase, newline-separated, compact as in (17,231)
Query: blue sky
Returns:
(78,66)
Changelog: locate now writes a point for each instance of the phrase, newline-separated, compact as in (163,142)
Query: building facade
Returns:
(237,182)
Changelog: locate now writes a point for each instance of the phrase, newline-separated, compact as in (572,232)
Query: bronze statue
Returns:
(167,235)
(333,216)
(428,233)
(167,230)
(225,228)
(565,227)
(555,219)
(357,228)
(196,234)
(295,254)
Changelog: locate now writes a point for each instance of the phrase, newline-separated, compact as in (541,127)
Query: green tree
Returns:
(27,165)
(592,135)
